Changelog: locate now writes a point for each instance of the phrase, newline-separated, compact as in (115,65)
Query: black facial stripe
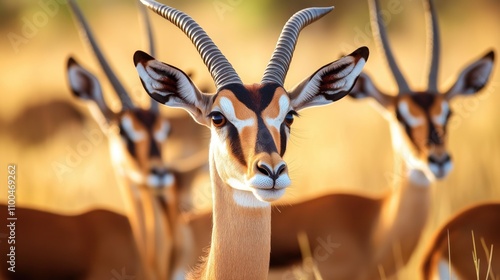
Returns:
(235,144)
(154,149)
(265,142)
(130,143)
(283,139)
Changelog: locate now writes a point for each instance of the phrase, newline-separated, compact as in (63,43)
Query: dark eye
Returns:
(218,119)
(289,118)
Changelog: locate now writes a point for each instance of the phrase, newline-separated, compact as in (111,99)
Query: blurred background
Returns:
(345,146)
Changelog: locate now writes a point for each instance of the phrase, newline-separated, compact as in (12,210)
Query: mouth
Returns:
(268,195)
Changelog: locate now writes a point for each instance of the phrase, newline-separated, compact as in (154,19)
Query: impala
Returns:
(453,244)
(349,231)
(97,244)
(418,122)
(135,136)
(250,126)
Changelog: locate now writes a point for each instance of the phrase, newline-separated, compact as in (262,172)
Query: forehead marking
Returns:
(284,104)
(227,108)
(412,121)
(128,126)
(442,117)
(161,134)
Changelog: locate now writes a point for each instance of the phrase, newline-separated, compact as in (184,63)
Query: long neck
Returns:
(241,237)
(405,211)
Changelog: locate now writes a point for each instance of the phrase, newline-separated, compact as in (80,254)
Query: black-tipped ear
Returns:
(331,82)
(84,85)
(170,86)
(141,57)
(474,77)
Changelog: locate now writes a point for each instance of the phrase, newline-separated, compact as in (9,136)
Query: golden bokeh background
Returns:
(345,146)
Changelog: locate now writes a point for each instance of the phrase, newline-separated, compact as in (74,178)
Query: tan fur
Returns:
(91,245)
(484,221)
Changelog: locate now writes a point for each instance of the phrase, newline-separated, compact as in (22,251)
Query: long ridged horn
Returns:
(151,44)
(221,70)
(120,90)
(380,36)
(433,47)
(282,56)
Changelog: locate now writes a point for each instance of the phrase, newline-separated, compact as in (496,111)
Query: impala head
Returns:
(250,124)
(423,115)
(142,131)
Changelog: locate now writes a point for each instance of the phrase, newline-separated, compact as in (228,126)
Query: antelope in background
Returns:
(250,126)
(93,245)
(418,122)
(135,136)
(450,251)
(378,233)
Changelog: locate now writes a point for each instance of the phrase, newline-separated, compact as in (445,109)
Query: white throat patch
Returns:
(247,199)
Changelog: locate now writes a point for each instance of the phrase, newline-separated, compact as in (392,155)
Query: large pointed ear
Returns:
(331,82)
(84,85)
(474,77)
(364,87)
(170,86)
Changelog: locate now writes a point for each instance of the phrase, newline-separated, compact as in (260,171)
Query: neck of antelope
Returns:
(149,212)
(405,210)
(241,236)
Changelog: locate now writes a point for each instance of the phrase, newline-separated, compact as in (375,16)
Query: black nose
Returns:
(439,160)
(266,170)
(159,171)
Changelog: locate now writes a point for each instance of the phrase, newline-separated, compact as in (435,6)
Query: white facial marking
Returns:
(247,199)
(412,121)
(284,104)
(441,118)
(162,133)
(128,126)
(227,108)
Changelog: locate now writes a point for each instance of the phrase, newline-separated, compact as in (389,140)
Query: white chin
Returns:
(268,195)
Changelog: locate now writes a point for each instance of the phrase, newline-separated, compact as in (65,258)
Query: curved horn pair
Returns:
(118,87)
(221,70)
(433,38)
